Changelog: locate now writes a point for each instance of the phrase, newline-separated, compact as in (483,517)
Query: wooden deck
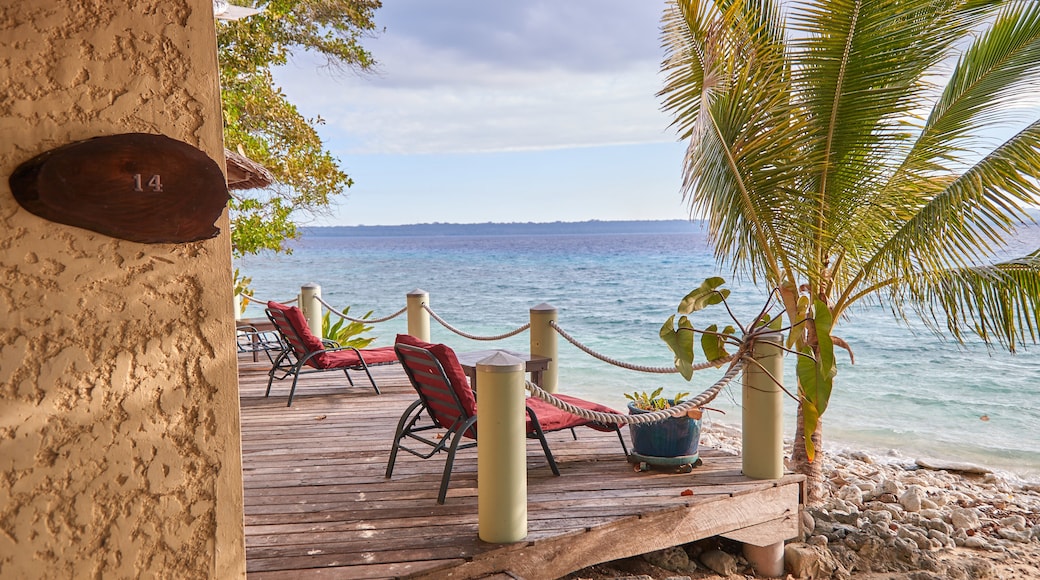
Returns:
(317,504)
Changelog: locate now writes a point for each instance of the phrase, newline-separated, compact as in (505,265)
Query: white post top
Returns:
(543,307)
(501,362)
(311,285)
(417,292)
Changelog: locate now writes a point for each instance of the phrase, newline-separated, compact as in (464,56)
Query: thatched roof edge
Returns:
(244,173)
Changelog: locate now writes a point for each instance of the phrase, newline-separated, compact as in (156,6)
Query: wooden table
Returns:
(532,364)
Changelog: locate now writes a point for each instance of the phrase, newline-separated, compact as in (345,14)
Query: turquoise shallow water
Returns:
(909,392)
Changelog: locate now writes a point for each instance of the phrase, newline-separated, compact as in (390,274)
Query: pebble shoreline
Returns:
(921,519)
(892,514)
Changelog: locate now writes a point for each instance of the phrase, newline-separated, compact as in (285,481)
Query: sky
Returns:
(485,111)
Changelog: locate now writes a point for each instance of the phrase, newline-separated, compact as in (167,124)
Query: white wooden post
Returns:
(544,343)
(310,307)
(768,561)
(763,444)
(501,450)
(418,317)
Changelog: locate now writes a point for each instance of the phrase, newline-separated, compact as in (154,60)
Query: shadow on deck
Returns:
(317,504)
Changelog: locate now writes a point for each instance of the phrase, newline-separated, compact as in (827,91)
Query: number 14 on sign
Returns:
(154,183)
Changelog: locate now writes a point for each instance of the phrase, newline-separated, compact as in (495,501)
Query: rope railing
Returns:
(634,367)
(472,336)
(736,361)
(678,410)
(361,320)
(246,299)
(542,326)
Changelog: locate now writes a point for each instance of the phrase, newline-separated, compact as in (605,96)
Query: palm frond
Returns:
(969,220)
(999,303)
(728,89)
(994,72)
(862,71)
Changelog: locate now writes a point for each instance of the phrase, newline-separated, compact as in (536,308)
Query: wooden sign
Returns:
(136,186)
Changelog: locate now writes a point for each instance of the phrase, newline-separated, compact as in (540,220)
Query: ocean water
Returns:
(909,394)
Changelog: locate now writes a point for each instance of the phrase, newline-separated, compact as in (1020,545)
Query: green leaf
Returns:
(346,333)
(816,370)
(713,345)
(681,344)
(705,295)
(808,375)
(826,365)
(810,420)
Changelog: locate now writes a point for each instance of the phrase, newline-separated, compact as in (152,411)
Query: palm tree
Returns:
(842,151)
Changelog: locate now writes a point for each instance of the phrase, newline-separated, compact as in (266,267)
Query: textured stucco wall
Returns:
(119,425)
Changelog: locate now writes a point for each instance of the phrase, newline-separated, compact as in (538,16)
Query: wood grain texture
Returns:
(318,504)
(134,186)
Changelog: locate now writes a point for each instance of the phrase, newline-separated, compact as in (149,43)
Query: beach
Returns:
(882,518)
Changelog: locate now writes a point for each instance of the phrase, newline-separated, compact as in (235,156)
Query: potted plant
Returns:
(345,332)
(671,442)
(675,441)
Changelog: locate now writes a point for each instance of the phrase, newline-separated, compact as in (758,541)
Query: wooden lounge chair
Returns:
(450,406)
(307,353)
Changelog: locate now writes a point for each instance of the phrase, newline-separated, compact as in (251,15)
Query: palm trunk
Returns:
(814,484)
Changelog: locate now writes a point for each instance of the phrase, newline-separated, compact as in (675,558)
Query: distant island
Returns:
(511,229)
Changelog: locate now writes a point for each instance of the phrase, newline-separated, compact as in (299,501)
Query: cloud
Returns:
(461,76)
(577,35)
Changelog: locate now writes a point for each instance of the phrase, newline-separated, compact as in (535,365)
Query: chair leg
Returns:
(450,460)
(545,444)
(402,426)
(624,447)
(274,368)
(295,379)
(270,379)
(349,380)
(364,366)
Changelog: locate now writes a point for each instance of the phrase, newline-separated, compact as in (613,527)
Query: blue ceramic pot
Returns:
(673,437)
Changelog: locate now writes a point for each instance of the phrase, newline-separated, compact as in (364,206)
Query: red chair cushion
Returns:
(446,356)
(553,418)
(348,357)
(295,317)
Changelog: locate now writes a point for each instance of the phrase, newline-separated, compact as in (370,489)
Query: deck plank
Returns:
(318,504)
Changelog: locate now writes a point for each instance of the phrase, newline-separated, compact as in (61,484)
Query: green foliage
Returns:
(242,288)
(262,124)
(654,401)
(344,332)
(679,336)
(832,164)
(705,295)
(680,341)
(713,341)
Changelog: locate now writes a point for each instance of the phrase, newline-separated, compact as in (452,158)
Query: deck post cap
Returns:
(501,362)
